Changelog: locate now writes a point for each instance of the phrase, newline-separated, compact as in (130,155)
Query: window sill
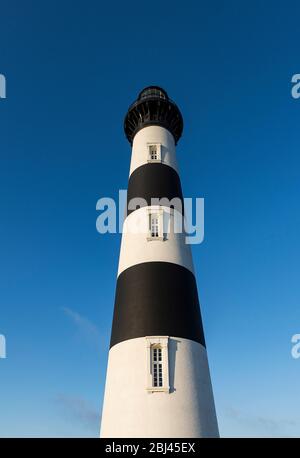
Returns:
(150,239)
(154,160)
(158,389)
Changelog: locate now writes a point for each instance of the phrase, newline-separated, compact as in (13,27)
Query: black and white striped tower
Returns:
(158,382)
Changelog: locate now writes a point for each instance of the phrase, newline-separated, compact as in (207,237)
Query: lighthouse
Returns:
(158,382)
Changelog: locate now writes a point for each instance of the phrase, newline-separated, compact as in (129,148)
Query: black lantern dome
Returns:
(153,107)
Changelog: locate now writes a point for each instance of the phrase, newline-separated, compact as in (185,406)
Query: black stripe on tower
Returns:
(156,298)
(154,181)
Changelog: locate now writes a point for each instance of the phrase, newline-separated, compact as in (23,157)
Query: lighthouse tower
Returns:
(158,382)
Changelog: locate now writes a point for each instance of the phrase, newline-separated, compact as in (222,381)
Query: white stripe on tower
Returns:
(158,382)
(149,135)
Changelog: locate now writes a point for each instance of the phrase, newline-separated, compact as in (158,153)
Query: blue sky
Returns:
(72,68)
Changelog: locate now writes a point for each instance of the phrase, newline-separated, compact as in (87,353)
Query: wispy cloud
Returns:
(262,426)
(80,410)
(86,328)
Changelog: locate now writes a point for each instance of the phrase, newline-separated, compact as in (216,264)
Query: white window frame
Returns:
(161,342)
(158,152)
(158,213)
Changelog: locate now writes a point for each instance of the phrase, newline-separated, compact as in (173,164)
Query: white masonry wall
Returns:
(131,411)
(136,248)
(153,134)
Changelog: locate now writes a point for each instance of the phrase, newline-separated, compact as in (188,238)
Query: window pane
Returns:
(157,366)
(153,152)
(154,226)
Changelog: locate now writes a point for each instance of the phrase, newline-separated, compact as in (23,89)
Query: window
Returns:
(154,226)
(153,92)
(154,152)
(155,231)
(157,364)
(157,376)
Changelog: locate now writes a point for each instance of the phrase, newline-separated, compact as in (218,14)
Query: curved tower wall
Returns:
(158,382)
